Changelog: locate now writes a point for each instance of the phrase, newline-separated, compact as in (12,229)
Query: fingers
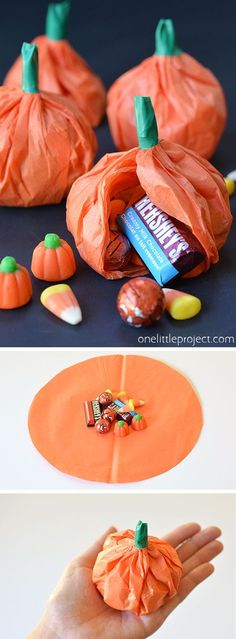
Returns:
(193,579)
(88,558)
(180,534)
(197,541)
(203,556)
(187,585)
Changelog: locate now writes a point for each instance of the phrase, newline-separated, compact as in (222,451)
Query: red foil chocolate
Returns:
(103,426)
(118,252)
(109,414)
(105,399)
(141,302)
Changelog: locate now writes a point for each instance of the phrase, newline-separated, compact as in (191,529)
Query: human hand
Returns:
(76,610)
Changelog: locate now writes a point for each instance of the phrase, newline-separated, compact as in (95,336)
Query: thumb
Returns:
(89,556)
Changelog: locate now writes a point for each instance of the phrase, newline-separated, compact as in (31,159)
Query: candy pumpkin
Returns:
(176,180)
(15,284)
(188,100)
(62,70)
(138,422)
(53,259)
(121,429)
(136,572)
(46,141)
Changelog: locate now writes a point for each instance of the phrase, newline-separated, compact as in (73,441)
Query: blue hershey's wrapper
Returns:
(166,246)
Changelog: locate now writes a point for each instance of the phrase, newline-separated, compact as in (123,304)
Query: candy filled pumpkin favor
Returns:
(137,572)
(46,141)
(176,213)
(187,98)
(15,284)
(62,70)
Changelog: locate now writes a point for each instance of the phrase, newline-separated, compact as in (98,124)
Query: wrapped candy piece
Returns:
(181,183)
(118,252)
(136,572)
(62,70)
(188,100)
(140,302)
(46,141)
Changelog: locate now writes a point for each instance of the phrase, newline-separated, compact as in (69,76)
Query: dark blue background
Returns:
(114,36)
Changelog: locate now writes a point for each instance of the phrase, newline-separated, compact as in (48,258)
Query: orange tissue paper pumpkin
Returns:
(136,572)
(62,70)
(46,141)
(177,181)
(188,100)
(53,259)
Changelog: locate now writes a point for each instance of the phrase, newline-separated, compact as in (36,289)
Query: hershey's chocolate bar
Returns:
(92,412)
(96,409)
(167,247)
(117,406)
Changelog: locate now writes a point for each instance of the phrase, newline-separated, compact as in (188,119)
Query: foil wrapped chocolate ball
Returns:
(109,414)
(118,252)
(141,302)
(105,399)
(103,426)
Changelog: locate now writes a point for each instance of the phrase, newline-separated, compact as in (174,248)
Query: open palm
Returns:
(77,611)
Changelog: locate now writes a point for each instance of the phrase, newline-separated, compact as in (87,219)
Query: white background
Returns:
(40,534)
(211,464)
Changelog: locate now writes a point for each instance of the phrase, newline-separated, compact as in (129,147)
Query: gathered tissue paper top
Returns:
(46,141)
(188,99)
(62,70)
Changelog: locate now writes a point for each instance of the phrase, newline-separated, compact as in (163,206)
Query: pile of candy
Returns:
(52,261)
(112,408)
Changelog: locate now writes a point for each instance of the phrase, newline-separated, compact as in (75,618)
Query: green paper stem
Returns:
(165,38)
(141,535)
(52,240)
(121,423)
(145,122)
(138,417)
(8,265)
(57,20)
(29,54)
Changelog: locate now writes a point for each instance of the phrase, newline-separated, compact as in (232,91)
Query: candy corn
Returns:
(230,185)
(61,301)
(232,175)
(130,404)
(181,306)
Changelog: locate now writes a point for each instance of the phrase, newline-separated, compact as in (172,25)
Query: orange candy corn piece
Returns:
(61,301)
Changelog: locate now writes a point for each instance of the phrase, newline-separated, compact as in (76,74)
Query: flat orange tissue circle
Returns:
(172,411)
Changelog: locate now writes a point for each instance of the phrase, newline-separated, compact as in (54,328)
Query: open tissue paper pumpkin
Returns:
(177,181)
(171,410)
(188,100)
(46,141)
(62,70)
(136,572)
